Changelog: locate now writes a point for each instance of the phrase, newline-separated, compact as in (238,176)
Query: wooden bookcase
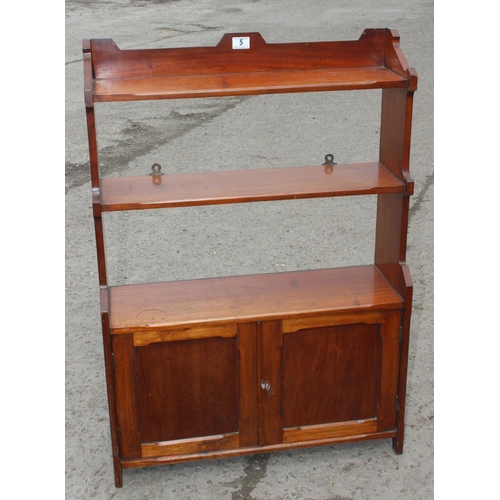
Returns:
(227,366)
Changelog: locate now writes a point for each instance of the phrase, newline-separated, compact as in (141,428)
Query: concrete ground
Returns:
(242,132)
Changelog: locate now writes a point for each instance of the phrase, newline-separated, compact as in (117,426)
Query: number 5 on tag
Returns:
(241,42)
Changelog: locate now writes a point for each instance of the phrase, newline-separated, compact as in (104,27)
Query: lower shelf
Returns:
(135,308)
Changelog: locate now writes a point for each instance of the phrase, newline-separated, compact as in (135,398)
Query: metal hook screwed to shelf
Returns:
(156,169)
(329,163)
(156,173)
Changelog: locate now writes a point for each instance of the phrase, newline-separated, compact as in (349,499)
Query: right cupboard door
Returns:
(339,380)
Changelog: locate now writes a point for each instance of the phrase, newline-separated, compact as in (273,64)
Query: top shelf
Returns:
(252,83)
(373,61)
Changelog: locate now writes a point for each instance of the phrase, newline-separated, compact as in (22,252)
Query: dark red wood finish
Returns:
(264,68)
(186,388)
(229,366)
(239,186)
(226,300)
(321,365)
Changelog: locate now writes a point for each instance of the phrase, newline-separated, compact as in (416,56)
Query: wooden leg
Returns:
(118,472)
(397,442)
(110,384)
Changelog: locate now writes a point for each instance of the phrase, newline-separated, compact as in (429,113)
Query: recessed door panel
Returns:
(187,389)
(331,374)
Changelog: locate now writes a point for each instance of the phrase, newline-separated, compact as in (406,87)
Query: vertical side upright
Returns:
(101,261)
(397,442)
(393,209)
(94,160)
(394,154)
(392,223)
(111,389)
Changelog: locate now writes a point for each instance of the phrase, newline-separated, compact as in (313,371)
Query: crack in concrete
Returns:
(139,138)
(187,30)
(253,473)
(415,207)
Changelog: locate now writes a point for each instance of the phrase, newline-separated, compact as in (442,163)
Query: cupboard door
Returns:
(340,380)
(330,374)
(185,395)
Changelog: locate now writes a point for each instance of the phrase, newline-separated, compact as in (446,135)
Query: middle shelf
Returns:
(239,186)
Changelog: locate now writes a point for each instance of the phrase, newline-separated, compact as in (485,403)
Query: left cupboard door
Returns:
(186,391)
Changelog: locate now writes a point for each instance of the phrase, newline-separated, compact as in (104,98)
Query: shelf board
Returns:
(250,83)
(239,186)
(374,61)
(135,308)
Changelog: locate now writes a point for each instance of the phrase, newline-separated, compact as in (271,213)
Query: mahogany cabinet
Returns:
(227,366)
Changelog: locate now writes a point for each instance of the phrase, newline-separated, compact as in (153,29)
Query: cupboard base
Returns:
(254,450)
